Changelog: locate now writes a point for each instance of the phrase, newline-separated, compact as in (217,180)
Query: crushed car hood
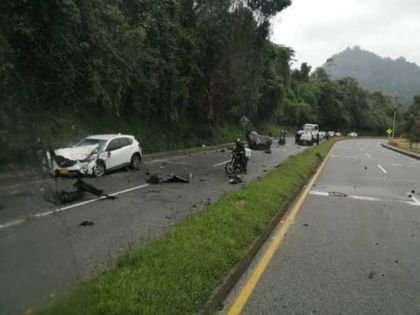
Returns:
(76,153)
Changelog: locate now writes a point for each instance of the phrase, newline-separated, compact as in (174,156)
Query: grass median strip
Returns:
(176,273)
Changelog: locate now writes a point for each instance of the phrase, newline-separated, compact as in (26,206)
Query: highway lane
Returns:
(48,255)
(354,247)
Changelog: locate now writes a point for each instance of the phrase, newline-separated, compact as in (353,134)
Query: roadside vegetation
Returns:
(175,74)
(176,273)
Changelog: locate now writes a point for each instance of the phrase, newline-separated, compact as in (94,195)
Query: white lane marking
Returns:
(368,155)
(382,169)
(366,198)
(416,201)
(50,212)
(221,163)
(11,223)
(319,193)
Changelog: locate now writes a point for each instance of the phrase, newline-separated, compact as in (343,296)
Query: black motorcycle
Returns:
(234,165)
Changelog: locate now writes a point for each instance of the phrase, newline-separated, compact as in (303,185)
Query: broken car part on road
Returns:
(169,178)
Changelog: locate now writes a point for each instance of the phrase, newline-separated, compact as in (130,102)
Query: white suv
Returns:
(95,155)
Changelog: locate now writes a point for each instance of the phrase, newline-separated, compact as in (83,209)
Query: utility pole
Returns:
(393,126)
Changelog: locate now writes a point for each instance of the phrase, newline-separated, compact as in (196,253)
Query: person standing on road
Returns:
(317,138)
(239,151)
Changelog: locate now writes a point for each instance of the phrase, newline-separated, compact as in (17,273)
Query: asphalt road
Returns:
(44,252)
(354,247)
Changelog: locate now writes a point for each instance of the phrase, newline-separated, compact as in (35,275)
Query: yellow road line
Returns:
(284,226)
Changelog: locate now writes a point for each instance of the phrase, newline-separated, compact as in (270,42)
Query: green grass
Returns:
(176,273)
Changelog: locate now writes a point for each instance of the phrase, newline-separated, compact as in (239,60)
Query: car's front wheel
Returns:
(135,161)
(99,169)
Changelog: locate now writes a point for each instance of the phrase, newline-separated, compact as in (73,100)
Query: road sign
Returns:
(389,131)
(244,121)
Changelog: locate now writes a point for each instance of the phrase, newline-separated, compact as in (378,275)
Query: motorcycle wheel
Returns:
(229,168)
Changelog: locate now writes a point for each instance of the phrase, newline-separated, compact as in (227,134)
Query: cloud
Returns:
(318,29)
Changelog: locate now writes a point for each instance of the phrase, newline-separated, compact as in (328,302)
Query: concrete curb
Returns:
(402,151)
(214,303)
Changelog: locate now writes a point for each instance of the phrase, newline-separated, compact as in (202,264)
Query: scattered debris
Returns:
(338,194)
(268,151)
(413,192)
(194,206)
(80,185)
(377,244)
(382,275)
(396,261)
(62,197)
(167,217)
(222,150)
(257,141)
(365,167)
(305,224)
(202,180)
(236,179)
(371,275)
(264,171)
(169,178)
(86,223)
(409,195)
(412,235)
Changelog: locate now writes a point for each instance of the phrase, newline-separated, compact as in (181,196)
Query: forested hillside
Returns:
(174,73)
(397,78)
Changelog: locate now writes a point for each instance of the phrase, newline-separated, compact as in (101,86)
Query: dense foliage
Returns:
(168,71)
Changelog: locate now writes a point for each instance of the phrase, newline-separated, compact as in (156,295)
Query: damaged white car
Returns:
(96,155)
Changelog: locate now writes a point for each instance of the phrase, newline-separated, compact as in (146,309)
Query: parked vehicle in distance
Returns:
(308,134)
(352,134)
(338,134)
(331,133)
(322,134)
(96,155)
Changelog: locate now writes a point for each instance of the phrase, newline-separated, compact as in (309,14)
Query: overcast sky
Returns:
(318,29)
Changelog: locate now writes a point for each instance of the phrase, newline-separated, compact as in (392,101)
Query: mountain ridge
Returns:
(398,78)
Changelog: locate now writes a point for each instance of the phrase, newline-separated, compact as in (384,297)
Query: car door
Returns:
(112,154)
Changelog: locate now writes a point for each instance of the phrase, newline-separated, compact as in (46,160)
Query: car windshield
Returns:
(89,141)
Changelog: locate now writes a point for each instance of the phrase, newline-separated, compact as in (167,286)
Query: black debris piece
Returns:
(396,261)
(194,206)
(236,179)
(365,167)
(412,235)
(202,180)
(257,141)
(371,275)
(62,197)
(264,171)
(222,150)
(305,224)
(337,194)
(86,223)
(268,151)
(410,195)
(81,185)
(413,191)
(147,172)
(169,178)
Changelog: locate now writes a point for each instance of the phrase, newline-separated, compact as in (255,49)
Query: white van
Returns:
(309,134)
